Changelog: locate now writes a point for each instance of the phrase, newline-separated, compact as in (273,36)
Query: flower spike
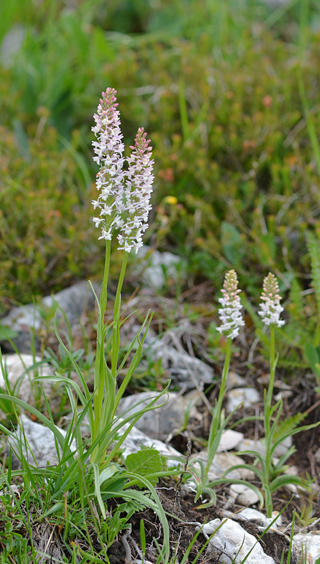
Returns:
(124,196)
(230,314)
(270,302)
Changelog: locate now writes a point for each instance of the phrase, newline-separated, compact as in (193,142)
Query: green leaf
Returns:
(282,481)
(146,462)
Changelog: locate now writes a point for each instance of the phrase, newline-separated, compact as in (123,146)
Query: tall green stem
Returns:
(271,382)
(267,421)
(216,412)
(116,319)
(105,379)
(98,368)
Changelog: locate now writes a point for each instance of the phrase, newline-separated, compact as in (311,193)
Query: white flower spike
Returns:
(270,302)
(124,196)
(230,313)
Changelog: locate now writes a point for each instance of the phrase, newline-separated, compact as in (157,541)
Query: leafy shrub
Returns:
(46,234)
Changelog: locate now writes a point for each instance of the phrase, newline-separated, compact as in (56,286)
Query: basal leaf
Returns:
(146,462)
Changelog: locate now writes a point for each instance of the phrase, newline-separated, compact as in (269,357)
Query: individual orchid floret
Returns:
(270,302)
(230,313)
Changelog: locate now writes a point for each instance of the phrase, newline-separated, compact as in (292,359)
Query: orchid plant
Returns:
(231,320)
(269,471)
(123,206)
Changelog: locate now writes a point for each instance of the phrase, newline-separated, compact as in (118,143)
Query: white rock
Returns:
(160,266)
(230,440)
(41,446)
(234,380)
(21,370)
(160,422)
(283,447)
(136,439)
(231,544)
(247,396)
(195,397)
(250,444)
(283,394)
(73,301)
(258,446)
(260,519)
(243,495)
(223,462)
(185,371)
(308,544)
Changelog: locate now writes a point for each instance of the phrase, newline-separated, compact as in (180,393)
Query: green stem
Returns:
(104,288)
(116,319)
(271,381)
(106,396)
(267,421)
(216,412)
(98,370)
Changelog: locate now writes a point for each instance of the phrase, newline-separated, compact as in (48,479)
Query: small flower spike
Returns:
(270,302)
(137,193)
(124,196)
(230,314)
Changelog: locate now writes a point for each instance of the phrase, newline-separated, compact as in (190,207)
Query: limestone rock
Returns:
(223,462)
(160,422)
(258,446)
(74,301)
(157,267)
(136,439)
(247,396)
(260,519)
(243,495)
(41,446)
(235,381)
(307,546)
(21,370)
(185,371)
(230,439)
(231,544)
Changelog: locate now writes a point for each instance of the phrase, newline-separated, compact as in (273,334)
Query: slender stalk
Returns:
(104,288)
(267,422)
(271,381)
(98,369)
(116,319)
(216,412)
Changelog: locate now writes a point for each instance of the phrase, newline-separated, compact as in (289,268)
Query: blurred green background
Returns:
(229,94)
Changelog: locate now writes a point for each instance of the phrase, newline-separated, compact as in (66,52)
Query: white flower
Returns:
(270,302)
(230,313)
(124,199)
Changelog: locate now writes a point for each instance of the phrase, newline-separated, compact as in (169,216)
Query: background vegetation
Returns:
(229,95)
